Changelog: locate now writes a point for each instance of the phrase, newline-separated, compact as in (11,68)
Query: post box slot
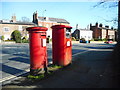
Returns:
(43,35)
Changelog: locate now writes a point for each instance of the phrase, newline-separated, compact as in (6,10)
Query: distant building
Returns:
(100,32)
(8,26)
(83,33)
(48,22)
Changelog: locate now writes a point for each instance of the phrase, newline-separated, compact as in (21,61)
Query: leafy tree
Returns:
(2,38)
(25,40)
(25,19)
(16,36)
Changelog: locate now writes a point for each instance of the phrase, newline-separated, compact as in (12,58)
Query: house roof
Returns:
(105,28)
(58,20)
(18,23)
(84,29)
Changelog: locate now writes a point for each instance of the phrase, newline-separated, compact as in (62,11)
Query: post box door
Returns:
(68,36)
(43,48)
(68,50)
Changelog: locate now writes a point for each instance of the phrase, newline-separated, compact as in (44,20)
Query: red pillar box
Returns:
(61,45)
(38,50)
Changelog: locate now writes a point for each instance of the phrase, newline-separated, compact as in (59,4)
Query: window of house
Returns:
(47,25)
(40,24)
(20,28)
(6,29)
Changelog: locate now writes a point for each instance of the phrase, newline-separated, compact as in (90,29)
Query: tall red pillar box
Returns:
(61,45)
(38,50)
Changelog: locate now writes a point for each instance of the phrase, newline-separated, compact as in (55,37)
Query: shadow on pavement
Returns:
(23,55)
(10,70)
(20,59)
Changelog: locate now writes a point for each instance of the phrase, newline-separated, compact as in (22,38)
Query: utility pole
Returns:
(43,17)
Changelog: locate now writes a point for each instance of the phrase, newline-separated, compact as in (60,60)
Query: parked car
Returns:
(109,41)
(82,40)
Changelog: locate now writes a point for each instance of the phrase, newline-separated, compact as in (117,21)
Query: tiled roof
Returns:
(58,20)
(18,23)
(105,28)
(84,29)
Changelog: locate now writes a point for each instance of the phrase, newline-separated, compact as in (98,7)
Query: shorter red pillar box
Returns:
(38,50)
(61,45)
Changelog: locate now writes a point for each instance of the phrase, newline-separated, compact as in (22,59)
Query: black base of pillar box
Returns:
(36,72)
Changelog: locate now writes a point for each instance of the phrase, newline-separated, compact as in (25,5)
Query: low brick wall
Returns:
(7,42)
(75,42)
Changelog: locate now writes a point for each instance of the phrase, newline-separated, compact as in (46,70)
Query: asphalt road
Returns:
(15,57)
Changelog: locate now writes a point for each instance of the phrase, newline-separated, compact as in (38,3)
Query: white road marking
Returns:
(80,53)
(14,76)
(101,49)
(92,50)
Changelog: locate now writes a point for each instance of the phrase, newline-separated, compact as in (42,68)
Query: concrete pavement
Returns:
(97,68)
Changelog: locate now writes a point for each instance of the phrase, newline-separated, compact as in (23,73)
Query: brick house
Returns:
(8,26)
(48,22)
(100,32)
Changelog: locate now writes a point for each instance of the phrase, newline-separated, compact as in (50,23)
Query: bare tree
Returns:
(115,3)
(111,6)
(104,4)
(25,19)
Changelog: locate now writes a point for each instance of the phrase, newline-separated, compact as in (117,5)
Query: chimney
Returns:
(96,24)
(35,17)
(88,27)
(107,26)
(13,19)
(112,28)
(76,26)
(90,24)
(46,18)
(100,25)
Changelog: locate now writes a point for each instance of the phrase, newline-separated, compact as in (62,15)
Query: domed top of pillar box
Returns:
(61,26)
(37,29)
